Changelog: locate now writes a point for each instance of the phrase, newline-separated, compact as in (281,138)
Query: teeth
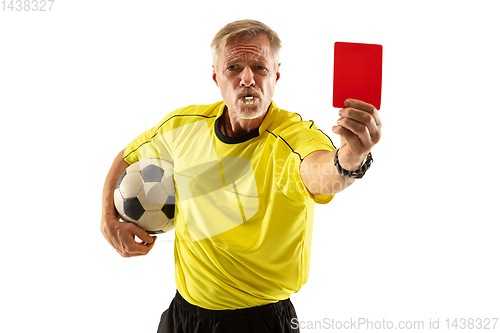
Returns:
(249,100)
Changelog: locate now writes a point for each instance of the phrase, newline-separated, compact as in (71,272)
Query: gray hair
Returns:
(246,29)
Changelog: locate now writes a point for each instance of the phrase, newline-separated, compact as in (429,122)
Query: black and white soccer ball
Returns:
(145,195)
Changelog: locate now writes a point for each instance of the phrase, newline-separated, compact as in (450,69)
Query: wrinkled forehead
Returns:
(257,48)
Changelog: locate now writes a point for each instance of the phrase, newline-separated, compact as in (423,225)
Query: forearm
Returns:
(337,182)
(320,175)
(121,236)
(117,168)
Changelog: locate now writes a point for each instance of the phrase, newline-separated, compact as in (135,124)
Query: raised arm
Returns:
(360,128)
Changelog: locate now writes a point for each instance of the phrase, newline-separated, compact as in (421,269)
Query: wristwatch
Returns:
(356,174)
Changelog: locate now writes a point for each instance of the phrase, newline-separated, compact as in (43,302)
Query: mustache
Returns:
(249,92)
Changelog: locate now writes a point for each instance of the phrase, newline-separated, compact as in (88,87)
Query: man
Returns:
(247,176)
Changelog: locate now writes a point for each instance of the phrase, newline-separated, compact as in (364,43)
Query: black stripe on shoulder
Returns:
(133,151)
(310,127)
(328,138)
(278,136)
(186,115)
(174,116)
(272,134)
(298,115)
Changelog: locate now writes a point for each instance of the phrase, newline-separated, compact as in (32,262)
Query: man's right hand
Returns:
(121,236)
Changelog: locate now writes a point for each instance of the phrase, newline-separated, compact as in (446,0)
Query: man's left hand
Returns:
(360,128)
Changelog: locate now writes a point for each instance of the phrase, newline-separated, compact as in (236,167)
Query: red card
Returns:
(357,73)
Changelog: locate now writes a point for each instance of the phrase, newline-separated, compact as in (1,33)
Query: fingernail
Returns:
(348,103)
(341,111)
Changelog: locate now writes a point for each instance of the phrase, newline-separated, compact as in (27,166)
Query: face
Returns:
(246,68)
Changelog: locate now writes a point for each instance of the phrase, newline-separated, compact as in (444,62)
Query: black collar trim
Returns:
(237,139)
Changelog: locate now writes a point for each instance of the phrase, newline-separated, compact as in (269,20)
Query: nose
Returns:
(247,78)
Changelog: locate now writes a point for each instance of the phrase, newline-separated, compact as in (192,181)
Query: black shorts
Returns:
(183,317)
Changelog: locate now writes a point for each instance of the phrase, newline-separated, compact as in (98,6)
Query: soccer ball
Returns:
(145,195)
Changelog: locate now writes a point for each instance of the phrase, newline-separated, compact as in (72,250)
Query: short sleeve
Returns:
(318,198)
(304,140)
(301,141)
(154,143)
(133,151)
(290,183)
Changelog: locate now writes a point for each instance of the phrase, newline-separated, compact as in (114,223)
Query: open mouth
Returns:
(249,97)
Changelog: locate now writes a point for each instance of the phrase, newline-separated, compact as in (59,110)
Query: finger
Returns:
(360,105)
(130,247)
(349,138)
(364,118)
(145,243)
(376,117)
(141,233)
(150,245)
(358,129)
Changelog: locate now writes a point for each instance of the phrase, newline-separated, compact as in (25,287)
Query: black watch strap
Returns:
(356,174)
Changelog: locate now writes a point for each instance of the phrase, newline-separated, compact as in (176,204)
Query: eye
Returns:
(260,69)
(231,68)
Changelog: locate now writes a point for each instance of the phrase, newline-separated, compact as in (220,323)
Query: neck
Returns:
(235,126)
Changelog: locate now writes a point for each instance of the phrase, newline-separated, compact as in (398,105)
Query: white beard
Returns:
(249,113)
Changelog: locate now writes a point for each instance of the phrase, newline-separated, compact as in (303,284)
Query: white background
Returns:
(417,238)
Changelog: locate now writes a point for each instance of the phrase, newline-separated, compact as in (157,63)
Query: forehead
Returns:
(258,47)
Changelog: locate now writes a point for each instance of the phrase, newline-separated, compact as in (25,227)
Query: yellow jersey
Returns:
(243,216)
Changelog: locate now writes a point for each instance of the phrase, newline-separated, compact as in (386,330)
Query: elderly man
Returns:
(247,177)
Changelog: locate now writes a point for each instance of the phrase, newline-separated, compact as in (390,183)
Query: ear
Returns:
(214,76)
(278,75)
